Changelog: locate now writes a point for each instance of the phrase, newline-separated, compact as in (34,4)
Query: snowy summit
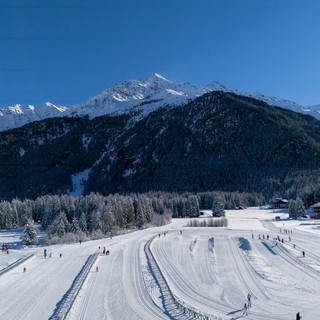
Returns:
(134,95)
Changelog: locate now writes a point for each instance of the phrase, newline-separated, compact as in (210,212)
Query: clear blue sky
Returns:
(66,51)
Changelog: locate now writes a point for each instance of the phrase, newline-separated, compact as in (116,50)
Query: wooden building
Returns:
(279,203)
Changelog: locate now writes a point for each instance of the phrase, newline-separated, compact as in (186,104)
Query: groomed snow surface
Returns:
(207,269)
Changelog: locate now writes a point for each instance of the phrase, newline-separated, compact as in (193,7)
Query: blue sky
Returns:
(66,51)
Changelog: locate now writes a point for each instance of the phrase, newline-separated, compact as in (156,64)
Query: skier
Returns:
(298,317)
(97,269)
(245,310)
(60,255)
(24,269)
(303,254)
(45,253)
(104,250)
(249,300)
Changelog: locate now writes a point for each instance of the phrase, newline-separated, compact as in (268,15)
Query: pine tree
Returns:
(192,207)
(74,225)
(218,206)
(296,209)
(83,222)
(60,225)
(29,236)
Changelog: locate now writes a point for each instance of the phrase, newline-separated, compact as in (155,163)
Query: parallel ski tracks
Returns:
(298,263)
(88,292)
(262,290)
(139,286)
(202,299)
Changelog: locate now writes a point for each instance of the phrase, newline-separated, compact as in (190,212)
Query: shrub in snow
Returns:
(220,222)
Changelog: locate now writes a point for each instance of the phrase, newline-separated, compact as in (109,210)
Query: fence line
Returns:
(16,263)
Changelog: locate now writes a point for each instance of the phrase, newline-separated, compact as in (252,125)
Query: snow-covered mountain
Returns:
(143,95)
(17,115)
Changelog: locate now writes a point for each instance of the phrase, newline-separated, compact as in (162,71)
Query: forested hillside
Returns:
(218,142)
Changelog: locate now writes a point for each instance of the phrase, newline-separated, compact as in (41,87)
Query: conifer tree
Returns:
(29,236)
(218,206)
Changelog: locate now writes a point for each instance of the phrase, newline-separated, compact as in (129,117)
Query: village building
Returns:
(279,203)
(315,210)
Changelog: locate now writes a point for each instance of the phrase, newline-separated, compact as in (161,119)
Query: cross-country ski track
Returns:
(209,270)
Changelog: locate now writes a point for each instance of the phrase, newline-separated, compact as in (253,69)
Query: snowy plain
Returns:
(209,269)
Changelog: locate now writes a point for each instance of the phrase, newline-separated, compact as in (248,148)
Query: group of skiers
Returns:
(104,251)
(50,253)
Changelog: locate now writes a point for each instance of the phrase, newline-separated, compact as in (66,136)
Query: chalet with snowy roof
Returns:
(316,208)
(279,203)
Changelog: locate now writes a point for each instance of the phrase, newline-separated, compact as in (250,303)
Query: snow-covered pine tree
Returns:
(74,225)
(192,207)
(59,226)
(296,209)
(29,236)
(83,222)
(218,206)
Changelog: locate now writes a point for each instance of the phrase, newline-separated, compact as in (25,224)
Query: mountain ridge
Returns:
(144,96)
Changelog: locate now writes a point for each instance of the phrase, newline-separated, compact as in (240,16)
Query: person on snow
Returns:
(249,300)
(245,310)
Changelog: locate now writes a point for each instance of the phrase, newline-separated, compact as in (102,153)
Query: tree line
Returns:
(69,219)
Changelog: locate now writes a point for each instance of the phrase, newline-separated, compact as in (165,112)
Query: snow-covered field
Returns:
(207,269)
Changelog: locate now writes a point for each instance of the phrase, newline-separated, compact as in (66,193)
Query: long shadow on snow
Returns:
(59,305)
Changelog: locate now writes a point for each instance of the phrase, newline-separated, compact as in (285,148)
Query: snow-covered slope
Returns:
(17,115)
(146,95)
(143,95)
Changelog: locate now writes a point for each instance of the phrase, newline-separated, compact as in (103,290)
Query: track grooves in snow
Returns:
(86,300)
(150,311)
(179,284)
(169,303)
(256,289)
(297,263)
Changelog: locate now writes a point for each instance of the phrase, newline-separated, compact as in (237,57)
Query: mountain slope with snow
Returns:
(244,145)
(144,96)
